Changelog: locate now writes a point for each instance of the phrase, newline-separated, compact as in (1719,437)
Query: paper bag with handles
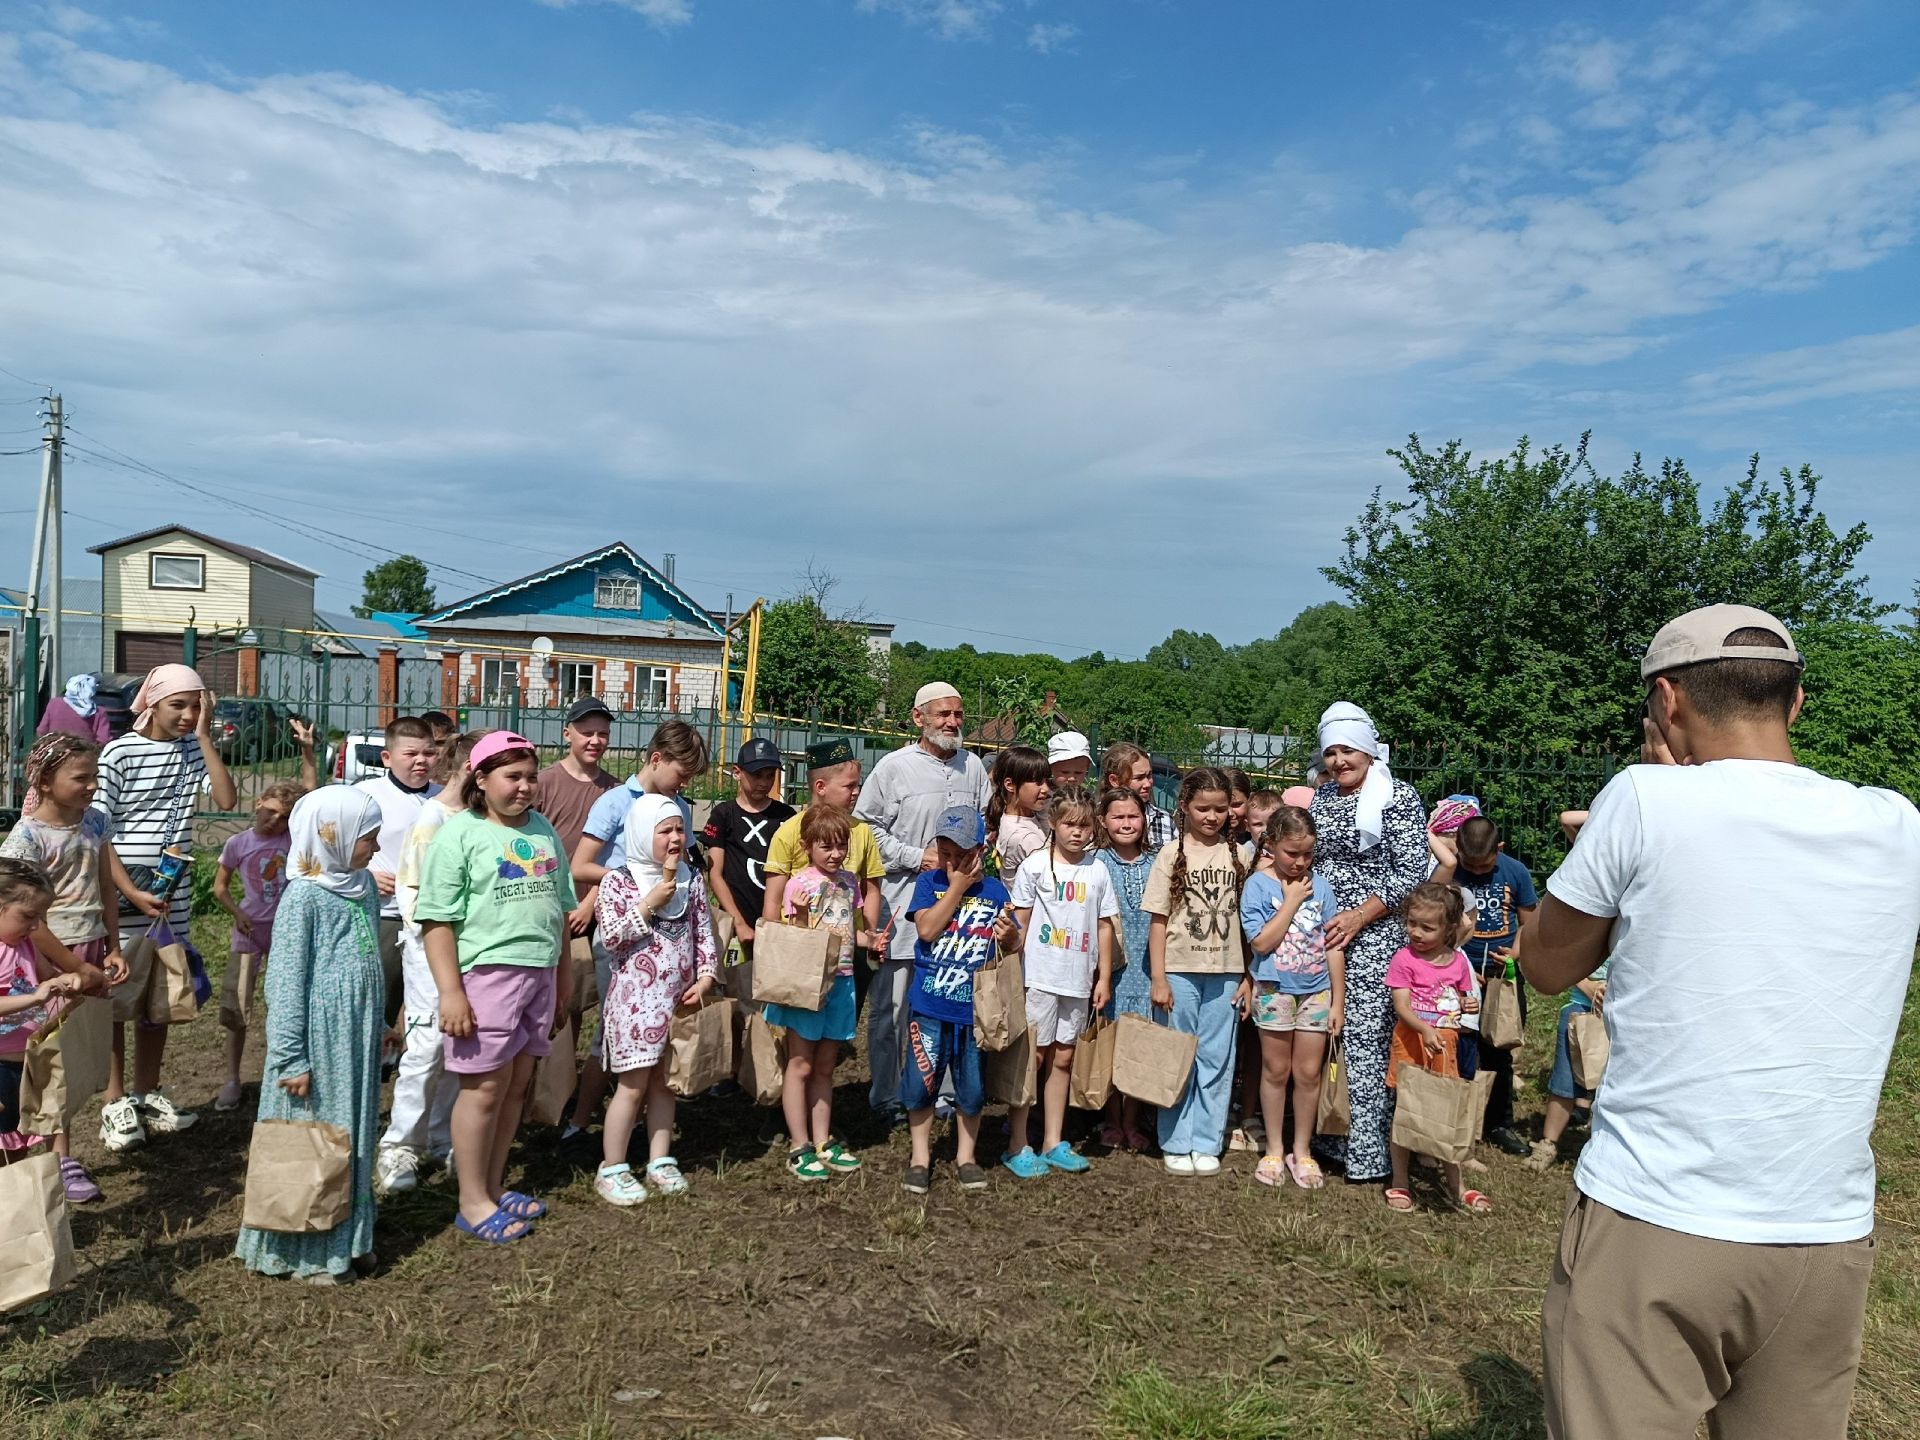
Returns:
(299,1176)
(1008,1076)
(700,1047)
(763,1060)
(170,997)
(1500,1013)
(1092,1080)
(999,1003)
(1152,1062)
(553,1077)
(793,964)
(1335,1111)
(1438,1115)
(65,1066)
(36,1242)
(1588,1048)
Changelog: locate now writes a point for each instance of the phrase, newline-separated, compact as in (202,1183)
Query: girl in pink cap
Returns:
(495,890)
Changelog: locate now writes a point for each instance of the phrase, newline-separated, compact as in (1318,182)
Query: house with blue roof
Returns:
(606,623)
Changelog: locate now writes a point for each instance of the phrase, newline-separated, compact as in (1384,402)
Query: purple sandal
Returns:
(78,1185)
(493,1229)
(522,1207)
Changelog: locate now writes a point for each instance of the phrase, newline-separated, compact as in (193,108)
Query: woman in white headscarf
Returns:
(1372,849)
(76,712)
(324,1003)
(655,925)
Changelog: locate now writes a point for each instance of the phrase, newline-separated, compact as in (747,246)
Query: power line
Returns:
(24,380)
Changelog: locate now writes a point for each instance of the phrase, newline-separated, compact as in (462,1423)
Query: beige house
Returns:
(158,582)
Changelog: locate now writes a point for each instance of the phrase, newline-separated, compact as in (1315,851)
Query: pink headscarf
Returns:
(162,681)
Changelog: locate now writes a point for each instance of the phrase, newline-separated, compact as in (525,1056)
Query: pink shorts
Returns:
(512,1016)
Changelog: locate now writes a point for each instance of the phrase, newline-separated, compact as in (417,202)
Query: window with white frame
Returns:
(659,687)
(177,572)
(499,680)
(576,679)
(616,592)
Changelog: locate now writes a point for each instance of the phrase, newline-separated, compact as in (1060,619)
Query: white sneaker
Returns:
(1178,1164)
(617,1185)
(159,1116)
(120,1127)
(396,1170)
(1205,1164)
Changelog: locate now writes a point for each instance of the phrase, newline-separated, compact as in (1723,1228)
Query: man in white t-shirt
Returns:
(1760,919)
(400,793)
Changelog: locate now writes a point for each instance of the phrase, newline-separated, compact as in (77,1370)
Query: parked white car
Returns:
(357,757)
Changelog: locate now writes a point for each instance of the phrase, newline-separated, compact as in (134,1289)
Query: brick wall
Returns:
(625,667)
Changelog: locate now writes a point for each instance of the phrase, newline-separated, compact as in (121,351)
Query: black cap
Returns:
(758,754)
(587,705)
(823,753)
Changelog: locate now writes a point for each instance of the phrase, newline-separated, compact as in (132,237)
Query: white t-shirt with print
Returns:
(1061,955)
(1766,918)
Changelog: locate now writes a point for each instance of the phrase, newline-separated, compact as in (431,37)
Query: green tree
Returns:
(1861,721)
(399,584)
(810,659)
(1151,704)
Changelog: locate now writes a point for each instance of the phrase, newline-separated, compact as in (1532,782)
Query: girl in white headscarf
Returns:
(654,923)
(324,998)
(1372,849)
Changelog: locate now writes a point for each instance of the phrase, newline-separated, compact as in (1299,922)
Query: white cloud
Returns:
(748,348)
(1046,39)
(949,19)
(1591,63)
(663,13)
(1861,365)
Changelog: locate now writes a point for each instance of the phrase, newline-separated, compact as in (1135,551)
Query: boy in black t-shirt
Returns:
(737,835)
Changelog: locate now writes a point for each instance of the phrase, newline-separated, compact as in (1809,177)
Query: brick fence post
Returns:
(389,684)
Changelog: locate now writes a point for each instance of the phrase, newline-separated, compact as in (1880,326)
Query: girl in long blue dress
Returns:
(1124,850)
(325,999)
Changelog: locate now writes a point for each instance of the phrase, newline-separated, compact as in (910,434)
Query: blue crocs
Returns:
(1064,1157)
(1026,1164)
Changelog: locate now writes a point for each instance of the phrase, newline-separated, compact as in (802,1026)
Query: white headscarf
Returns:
(647,814)
(1347,724)
(79,695)
(325,826)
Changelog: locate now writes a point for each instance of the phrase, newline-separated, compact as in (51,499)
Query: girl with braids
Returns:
(1194,950)
(1373,850)
(1022,781)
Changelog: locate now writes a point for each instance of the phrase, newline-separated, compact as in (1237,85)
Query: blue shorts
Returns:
(1560,1082)
(834,1020)
(937,1048)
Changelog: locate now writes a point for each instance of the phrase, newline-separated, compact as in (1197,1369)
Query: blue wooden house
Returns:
(606,623)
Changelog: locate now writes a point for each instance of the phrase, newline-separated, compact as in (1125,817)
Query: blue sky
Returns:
(1073,322)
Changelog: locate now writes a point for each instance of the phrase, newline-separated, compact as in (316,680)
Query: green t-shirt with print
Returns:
(506,891)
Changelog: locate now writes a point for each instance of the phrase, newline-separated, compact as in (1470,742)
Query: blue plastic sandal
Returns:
(493,1229)
(522,1207)
(1026,1164)
(1063,1157)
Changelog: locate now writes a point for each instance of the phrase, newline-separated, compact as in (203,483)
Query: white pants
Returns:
(423,1091)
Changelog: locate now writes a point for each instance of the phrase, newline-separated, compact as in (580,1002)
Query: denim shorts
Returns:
(834,1020)
(1560,1082)
(937,1048)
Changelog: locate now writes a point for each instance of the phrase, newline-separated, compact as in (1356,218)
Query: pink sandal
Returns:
(1474,1201)
(1113,1137)
(1398,1199)
(1306,1173)
(1139,1140)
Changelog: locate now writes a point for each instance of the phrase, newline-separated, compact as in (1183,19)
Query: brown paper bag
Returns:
(1436,1114)
(299,1177)
(700,1047)
(999,1004)
(586,981)
(554,1075)
(170,988)
(1092,1081)
(66,1068)
(1588,1048)
(1008,1076)
(36,1242)
(1152,1062)
(763,1060)
(1500,1014)
(1335,1111)
(793,964)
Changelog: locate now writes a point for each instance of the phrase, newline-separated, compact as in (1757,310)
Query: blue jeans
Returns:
(936,1050)
(1202,1006)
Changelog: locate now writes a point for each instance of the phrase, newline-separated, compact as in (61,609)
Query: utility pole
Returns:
(46,527)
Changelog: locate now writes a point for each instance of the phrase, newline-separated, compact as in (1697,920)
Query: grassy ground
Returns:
(1121,1303)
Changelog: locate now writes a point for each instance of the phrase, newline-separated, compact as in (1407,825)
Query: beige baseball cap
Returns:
(1702,635)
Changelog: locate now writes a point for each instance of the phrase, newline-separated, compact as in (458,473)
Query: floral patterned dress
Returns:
(324,996)
(653,964)
(1388,872)
(1133,985)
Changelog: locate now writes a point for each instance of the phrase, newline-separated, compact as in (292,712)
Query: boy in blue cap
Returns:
(959,915)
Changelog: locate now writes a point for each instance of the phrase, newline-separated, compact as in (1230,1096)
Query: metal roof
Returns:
(245,552)
(445,613)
